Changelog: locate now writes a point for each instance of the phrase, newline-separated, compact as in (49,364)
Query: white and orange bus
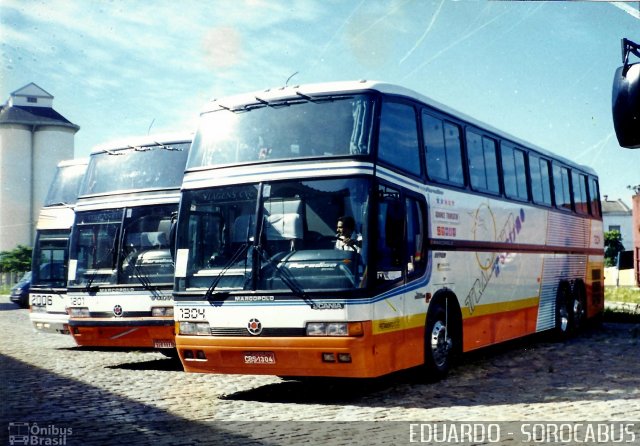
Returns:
(454,236)
(120,268)
(48,292)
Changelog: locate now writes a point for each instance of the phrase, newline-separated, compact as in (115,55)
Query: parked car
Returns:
(20,291)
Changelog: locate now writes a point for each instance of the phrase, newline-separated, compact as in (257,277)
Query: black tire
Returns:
(439,343)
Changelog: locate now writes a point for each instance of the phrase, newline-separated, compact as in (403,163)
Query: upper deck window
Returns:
(326,126)
(483,166)
(444,153)
(159,166)
(580,192)
(514,172)
(398,141)
(65,185)
(540,180)
(594,196)
(561,186)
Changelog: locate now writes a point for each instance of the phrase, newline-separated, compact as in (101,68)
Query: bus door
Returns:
(401,260)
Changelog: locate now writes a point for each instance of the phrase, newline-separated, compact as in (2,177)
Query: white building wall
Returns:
(15,186)
(51,145)
(625,223)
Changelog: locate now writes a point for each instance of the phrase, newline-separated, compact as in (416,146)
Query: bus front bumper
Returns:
(50,322)
(367,356)
(157,333)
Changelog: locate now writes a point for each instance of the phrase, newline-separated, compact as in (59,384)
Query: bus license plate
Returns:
(259,358)
(163,343)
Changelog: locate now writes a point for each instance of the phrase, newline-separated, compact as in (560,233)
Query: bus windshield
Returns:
(295,246)
(157,166)
(123,246)
(50,258)
(65,185)
(326,126)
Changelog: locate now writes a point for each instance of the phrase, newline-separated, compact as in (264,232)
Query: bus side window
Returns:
(594,196)
(398,139)
(514,172)
(561,187)
(390,235)
(415,241)
(580,192)
(540,184)
(443,149)
(402,236)
(483,167)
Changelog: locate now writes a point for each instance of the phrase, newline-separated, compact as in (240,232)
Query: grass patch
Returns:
(622,294)
(627,313)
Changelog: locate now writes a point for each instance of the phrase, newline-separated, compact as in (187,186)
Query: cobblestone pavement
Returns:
(67,395)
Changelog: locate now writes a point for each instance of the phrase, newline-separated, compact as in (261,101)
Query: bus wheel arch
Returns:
(443,335)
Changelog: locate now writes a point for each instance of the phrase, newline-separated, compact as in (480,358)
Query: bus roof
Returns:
(146,140)
(73,162)
(328,88)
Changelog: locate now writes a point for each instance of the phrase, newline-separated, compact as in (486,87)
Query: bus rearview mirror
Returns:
(626,98)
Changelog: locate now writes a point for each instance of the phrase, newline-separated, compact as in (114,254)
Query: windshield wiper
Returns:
(169,148)
(144,279)
(141,149)
(209,295)
(90,288)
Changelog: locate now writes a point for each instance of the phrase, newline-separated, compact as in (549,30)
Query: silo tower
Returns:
(34,138)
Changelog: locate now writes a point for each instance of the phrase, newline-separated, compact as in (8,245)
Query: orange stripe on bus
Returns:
(490,328)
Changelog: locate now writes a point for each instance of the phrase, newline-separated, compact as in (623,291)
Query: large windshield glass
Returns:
(145,256)
(296,246)
(50,259)
(123,246)
(66,184)
(298,128)
(95,247)
(136,168)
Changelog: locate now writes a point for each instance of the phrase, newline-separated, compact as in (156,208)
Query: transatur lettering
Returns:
(491,268)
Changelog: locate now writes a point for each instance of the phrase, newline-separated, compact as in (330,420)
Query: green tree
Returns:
(18,259)
(612,246)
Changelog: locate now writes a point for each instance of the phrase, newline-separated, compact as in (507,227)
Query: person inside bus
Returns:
(347,237)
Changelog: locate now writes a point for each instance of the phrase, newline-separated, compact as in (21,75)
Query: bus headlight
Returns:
(194,328)
(79,312)
(161,311)
(334,329)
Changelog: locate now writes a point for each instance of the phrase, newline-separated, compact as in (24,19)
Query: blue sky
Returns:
(541,71)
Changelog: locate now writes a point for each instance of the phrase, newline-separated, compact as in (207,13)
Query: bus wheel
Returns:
(438,349)
(564,312)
